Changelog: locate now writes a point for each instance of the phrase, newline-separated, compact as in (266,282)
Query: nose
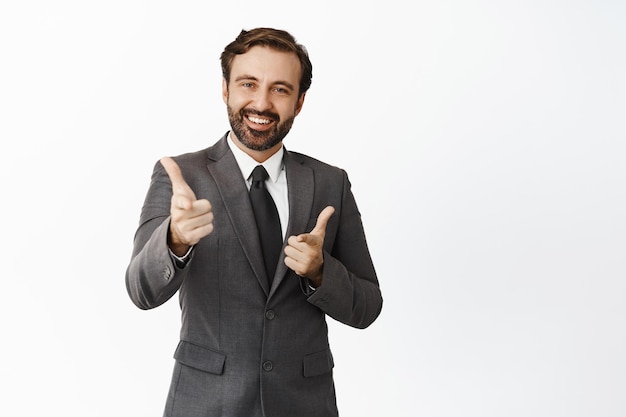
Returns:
(261,100)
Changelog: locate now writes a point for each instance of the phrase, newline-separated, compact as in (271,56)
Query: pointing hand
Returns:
(304,253)
(191,219)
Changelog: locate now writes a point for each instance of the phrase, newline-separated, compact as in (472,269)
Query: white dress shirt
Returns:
(276,184)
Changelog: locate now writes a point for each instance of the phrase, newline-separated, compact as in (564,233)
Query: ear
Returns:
(224,91)
(299,104)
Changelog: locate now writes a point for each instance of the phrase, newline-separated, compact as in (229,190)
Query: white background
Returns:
(492,134)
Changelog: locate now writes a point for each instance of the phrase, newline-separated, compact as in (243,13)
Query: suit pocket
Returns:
(318,363)
(200,358)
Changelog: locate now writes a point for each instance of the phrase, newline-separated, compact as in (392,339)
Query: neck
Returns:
(259,156)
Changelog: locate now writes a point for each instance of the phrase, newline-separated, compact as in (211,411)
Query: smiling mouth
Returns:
(258,120)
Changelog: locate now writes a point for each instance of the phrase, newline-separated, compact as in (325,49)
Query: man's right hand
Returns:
(191,219)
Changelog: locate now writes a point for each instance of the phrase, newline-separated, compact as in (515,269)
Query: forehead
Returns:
(267,64)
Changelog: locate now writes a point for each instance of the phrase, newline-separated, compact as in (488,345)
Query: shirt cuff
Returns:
(181,261)
(306,287)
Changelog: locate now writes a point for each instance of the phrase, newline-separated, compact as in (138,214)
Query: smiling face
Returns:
(262,99)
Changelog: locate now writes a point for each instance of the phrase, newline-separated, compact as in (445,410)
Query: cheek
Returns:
(288,110)
(236,101)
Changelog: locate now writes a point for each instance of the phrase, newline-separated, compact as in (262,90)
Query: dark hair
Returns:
(273,38)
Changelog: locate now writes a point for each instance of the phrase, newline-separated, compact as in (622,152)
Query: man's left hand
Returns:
(304,253)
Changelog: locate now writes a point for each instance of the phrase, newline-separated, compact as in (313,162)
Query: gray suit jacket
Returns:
(247,349)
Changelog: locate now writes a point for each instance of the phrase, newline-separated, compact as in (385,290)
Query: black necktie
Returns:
(267,220)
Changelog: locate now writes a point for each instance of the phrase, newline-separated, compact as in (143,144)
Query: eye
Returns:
(247,85)
(281,90)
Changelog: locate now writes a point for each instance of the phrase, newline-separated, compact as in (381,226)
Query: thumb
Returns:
(179,185)
(322,221)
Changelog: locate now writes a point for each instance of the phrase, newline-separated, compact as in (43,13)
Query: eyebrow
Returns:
(253,78)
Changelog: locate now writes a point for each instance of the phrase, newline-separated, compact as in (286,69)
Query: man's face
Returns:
(262,96)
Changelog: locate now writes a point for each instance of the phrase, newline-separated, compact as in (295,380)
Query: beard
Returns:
(255,139)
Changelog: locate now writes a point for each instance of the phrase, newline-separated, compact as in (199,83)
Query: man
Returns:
(254,339)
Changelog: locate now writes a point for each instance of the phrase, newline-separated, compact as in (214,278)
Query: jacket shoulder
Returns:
(202,156)
(319,167)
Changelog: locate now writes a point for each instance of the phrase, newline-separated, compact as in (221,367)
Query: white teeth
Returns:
(258,121)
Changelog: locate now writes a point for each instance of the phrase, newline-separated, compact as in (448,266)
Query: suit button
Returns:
(167,272)
(268,366)
(270,314)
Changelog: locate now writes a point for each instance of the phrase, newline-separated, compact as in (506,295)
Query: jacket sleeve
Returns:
(152,276)
(350,292)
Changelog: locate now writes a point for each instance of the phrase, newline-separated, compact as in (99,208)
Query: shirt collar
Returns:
(273,165)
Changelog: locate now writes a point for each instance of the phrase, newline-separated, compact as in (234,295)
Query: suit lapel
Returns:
(234,193)
(300,186)
(232,188)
